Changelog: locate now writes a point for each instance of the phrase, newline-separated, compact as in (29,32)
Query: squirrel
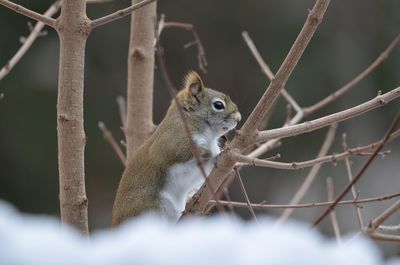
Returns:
(163,171)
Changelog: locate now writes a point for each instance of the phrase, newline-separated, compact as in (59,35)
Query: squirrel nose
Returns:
(237,116)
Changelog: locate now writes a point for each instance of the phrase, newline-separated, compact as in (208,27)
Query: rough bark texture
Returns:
(73,28)
(139,124)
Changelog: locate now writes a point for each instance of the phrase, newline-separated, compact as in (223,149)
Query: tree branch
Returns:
(201,54)
(267,71)
(139,125)
(29,13)
(329,138)
(264,206)
(391,129)
(383,237)
(335,225)
(332,97)
(246,197)
(350,175)
(303,112)
(28,41)
(385,215)
(330,119)
(361,151)
(111,140)
(118,14)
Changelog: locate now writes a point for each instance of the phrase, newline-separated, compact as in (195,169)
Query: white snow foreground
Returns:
(28,239)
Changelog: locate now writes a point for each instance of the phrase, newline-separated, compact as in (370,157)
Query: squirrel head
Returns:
(208,107)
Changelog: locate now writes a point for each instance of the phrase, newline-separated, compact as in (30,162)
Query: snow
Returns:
(28,239)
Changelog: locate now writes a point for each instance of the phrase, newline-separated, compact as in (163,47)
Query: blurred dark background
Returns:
(352,35)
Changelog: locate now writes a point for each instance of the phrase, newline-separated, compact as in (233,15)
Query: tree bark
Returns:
(139,124)
(73,28)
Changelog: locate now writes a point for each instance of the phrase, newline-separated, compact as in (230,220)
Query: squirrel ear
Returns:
(194,83)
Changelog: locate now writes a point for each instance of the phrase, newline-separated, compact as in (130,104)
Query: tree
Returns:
(73,28)
(250,142)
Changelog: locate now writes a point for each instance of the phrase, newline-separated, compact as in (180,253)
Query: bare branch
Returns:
(264,206)
(122,110)
(335,225)
(267,71)
(385,215)
(246,197)
(268,145)
(118,14)
(361,172)
(353,188)
(329,138)
(29,13)
(355,81)
(228,198)
(303,112)
(139,124)
(389,227)
(383,237)
(330,119)
(201,54)
(294,165)
(264,105)
(35,32)
(111,140)
(357,151)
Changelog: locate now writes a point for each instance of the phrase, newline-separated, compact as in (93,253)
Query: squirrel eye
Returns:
(218,105)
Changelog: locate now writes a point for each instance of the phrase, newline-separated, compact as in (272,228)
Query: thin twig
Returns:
(332,97)
(389,227)
(267,71)
(335,225)
(307,111)
(312,125)
(35,32)
(111,140)
(385,215)
(264,206)
(271,144)
(329,138)
(201,54)
(29,13)
(118,14)
(121,102)
(195,149)
(228,198)
(353,188)
(383,237)
(361,172)
(244,160)
(246,197)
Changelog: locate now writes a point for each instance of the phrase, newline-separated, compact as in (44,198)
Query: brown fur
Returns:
(144,175)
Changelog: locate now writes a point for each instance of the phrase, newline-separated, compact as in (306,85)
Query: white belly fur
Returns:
(182,179)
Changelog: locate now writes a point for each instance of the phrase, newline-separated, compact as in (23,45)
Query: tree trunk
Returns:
(73,28)
(139,124)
